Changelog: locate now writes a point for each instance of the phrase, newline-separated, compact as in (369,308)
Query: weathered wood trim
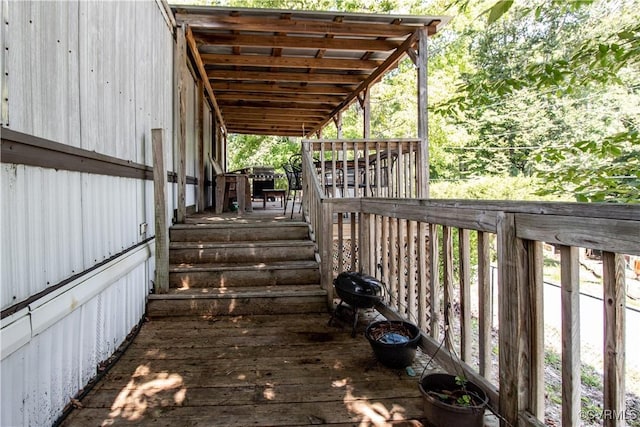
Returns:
(173,177)
(161,283)
(21,148)
(614,298)
(570,289)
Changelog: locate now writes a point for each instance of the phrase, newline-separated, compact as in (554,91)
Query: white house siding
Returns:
(96,76)
(38,378)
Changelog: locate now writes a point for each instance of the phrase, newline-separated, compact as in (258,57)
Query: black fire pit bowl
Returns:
(393,349)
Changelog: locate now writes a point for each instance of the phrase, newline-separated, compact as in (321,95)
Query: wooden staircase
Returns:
(240,268)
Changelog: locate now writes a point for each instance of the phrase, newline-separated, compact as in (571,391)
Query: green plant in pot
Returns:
(451,400)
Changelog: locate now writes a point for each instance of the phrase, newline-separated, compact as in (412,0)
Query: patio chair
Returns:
(293,170)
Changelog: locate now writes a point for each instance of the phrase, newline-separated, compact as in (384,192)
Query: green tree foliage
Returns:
(554,90)
(547,89)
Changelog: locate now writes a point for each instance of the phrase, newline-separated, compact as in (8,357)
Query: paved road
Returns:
(592,324)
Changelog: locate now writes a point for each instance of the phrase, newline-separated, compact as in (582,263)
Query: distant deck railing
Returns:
(421,250)
(368,167)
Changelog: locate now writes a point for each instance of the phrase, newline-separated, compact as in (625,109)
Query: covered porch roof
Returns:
(288,72)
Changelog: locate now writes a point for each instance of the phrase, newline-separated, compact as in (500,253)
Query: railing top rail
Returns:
(576,209)
(361,140)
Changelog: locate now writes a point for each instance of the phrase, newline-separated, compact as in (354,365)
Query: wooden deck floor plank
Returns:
(267,370)
(255,394)
(280,414)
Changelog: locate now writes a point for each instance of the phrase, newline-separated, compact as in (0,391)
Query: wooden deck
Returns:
(276,370)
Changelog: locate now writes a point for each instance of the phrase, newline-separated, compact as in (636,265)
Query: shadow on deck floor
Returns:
(248,371)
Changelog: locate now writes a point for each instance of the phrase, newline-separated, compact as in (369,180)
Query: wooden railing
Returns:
(422,251)
(367,167)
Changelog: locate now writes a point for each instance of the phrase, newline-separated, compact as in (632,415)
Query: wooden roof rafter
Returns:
(284,65)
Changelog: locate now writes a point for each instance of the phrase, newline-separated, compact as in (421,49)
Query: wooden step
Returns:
(244,275)
(243,252)
(237,301)
(248,232)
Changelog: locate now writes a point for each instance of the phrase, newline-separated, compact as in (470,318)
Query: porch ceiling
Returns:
(286,72)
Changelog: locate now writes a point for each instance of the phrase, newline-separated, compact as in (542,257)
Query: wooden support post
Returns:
(613,278)
(180,65)
(200,144)
(161,284)
(337,119)
(423,127)
(570,281)
(520,308)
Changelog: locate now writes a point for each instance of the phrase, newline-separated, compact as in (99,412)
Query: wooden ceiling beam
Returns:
(343,44)
(203,74)
(289,62)
(270,110)
(270,96)
(297,26)
(281,88)
(286,77)
(267,104)
(389,63)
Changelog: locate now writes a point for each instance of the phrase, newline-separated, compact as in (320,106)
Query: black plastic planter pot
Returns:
(395,350)
(442,414)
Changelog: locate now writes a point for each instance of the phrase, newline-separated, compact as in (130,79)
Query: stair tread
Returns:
(274,265)
(241,292)
(241,225)
(239,244)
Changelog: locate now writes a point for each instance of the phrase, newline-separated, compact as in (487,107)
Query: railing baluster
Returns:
(386,249)
(402,267)
(613,281)
(340,242)
(393,262)
(465,294)
(400,170)
(354,254)
(570,295)
(434,282)
(423,275)
(535,283)
(485,304)
(447,262)
(412,235)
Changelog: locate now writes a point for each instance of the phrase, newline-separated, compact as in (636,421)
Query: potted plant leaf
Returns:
(451,400)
